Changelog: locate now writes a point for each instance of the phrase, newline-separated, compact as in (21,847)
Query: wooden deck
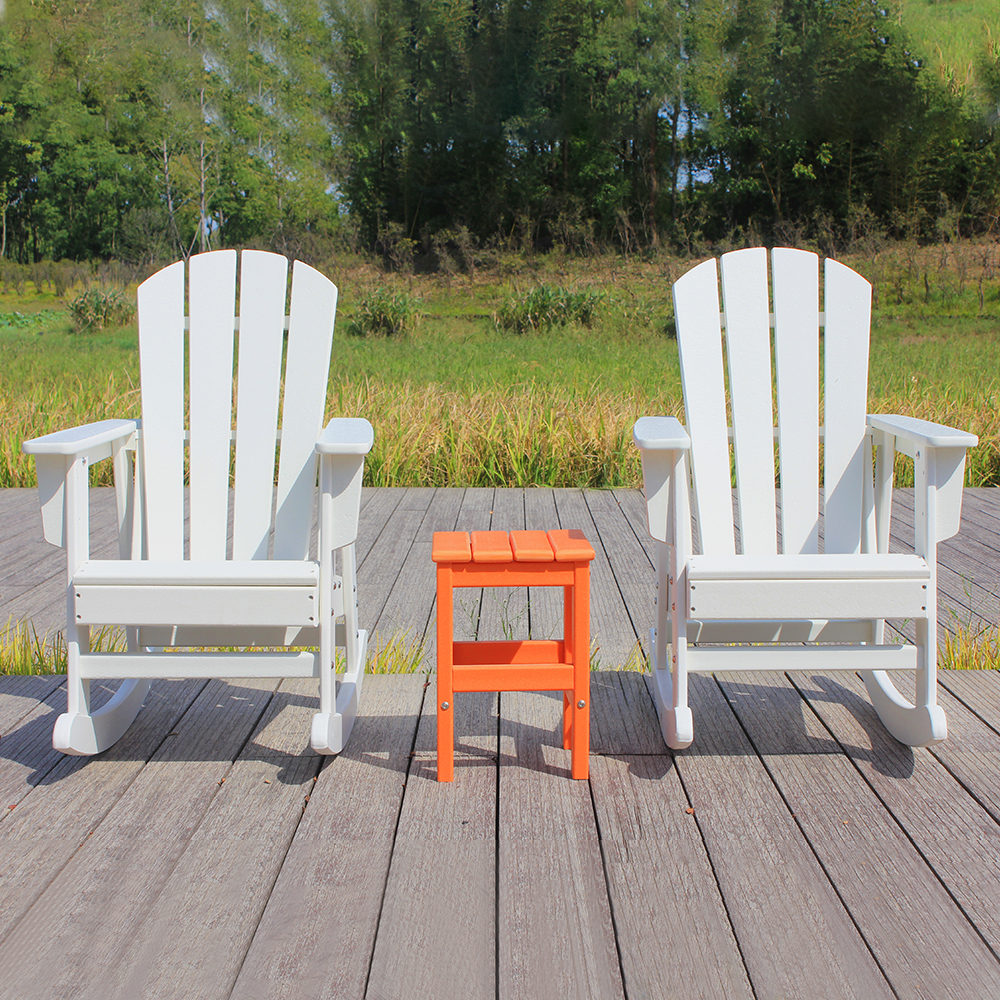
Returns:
(794,851)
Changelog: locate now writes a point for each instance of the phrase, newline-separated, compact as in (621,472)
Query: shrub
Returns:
(544,307)
(385,313)
(97,307)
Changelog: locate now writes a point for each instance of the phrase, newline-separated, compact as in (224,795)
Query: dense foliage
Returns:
(143,128)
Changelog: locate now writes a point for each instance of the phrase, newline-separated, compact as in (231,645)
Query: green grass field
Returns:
(457,403)
(951,35)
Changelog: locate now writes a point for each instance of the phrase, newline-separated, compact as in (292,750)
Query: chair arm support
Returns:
(662,441)
(81,440)
(346,436)
(939,465)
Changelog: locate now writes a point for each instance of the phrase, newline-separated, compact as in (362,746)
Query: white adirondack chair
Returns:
(266,590)
(795,601)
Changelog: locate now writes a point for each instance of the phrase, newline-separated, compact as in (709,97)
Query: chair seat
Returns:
(162,573)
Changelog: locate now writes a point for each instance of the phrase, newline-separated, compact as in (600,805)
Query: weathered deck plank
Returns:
(794,934)
(913,786)
(123,865)
(554,928)
(316,936)
(909,921)
(437,928)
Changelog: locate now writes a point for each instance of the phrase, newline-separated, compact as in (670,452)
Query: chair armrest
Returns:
(922,433)
(82,439)
(346,436)
(660,434)
(939,456)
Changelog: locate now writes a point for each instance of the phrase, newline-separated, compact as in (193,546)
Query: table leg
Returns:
(581,671)
(445,682)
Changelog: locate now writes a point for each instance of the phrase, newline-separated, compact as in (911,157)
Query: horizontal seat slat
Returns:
(866,566)
(234,573)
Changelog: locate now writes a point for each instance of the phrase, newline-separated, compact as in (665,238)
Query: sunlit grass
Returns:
(970,648)
(459,404)
(24,651)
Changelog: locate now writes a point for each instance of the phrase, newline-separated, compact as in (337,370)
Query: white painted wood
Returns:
(226,635)
(817,659)
(341,476)
(897,566)
(195,605)
(845,397)
(795,276)
(161,369)
(182,665)
(272,573)
(81,733)
(310,339)
(857,598)
(660,441)
(923,432)
(913,725)
(86,439)
(211,301)
(51,472)
(263,279)
(946,448)
(773,630)
(699,344)
(748,353)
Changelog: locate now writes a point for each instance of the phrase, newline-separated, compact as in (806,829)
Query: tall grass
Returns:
(459,404)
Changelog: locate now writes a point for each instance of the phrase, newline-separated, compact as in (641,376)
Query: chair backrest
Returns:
(792,405)
(259,329)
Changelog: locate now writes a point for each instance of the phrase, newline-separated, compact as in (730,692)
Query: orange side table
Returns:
(521,559)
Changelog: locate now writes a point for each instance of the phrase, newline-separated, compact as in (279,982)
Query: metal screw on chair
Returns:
(444,706)
(581,704)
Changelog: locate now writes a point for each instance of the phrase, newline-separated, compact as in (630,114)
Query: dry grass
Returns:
(970,648)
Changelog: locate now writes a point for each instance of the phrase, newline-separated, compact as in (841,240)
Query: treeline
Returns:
(140,129)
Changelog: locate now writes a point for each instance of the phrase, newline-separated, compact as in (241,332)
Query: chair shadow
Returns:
(777,713)
(771,720)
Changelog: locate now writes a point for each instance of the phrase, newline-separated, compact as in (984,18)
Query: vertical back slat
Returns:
(212,312)
(845,389)
(795,274)
(699,342)
(307,369)
(748,352)
(263,280)
(161,370)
